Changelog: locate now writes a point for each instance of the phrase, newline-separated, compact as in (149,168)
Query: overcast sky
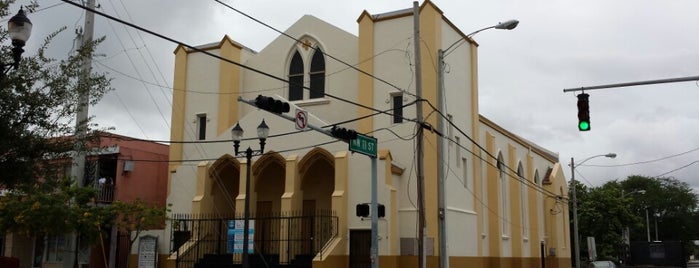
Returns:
(557,45)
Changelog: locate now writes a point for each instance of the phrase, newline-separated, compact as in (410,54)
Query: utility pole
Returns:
(576,237)
(419,141)
(78,168)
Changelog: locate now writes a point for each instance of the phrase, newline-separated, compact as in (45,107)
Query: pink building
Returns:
(121,169)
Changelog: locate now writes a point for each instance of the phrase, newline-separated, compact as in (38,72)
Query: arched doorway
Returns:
(270,177)
(317,170)
(225,186)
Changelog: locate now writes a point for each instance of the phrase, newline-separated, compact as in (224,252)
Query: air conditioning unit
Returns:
(128,166)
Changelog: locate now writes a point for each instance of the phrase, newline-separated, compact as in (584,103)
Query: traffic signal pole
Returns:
(374,181)
(638,83)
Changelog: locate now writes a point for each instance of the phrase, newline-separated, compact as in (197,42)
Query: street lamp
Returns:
(625,233)
(575,203)
(237,133)
(508,25)
(19,28)
(625,240)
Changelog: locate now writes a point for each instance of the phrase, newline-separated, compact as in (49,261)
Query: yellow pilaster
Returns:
(178,108)
(475,132)
(394,248)
(339,197)
(228,85)
(292,200)
(240,200)
(292,197)
(201,202)
(365,92)
(534,239)
(515,199)
(494,224)
(431,37)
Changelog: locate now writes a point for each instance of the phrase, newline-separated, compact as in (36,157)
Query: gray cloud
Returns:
(558,44)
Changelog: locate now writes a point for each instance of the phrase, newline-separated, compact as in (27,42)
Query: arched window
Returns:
(536,177)
(317,75)
(296,77)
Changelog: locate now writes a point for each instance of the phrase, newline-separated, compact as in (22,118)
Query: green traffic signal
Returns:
(584,126)
(583,112)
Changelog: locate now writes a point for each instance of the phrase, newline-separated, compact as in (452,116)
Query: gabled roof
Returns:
(213,45)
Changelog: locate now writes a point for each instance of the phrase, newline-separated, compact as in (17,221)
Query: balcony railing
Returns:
(105,193)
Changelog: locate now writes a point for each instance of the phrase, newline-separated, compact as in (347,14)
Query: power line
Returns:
(214,159)
(645,162)
(314,48)
(512,174)
(475,143)
(682,167)
(38,10)
(133,65)
(203,51)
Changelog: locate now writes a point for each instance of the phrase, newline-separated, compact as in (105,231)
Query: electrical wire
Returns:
(512,174)
(314,48)
(682,167)
(585,179)
(203,51)
(128,111)
(133,65)
(473,142)
(645,162)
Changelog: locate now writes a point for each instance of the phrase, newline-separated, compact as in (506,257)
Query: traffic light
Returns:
(362,210)
(343,133)
(272,105)
(583,112)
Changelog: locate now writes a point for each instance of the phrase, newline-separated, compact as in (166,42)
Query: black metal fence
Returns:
(279,238)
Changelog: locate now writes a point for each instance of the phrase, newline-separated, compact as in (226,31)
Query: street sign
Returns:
(301,119)
(364,145)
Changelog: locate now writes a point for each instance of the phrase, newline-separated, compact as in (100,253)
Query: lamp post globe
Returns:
(19,27)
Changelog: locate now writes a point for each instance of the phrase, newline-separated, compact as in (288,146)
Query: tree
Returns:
(604,211)
(39,102)
(135,217)
(53,207)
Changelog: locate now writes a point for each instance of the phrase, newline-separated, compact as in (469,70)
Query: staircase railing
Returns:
(279,238)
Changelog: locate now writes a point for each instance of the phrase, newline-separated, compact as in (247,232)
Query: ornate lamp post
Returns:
(19,28)
(237,133)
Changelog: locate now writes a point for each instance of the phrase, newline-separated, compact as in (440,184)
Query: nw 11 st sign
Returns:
(363,145)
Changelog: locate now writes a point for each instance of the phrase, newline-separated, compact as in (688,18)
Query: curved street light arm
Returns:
(610,155)
(508,25)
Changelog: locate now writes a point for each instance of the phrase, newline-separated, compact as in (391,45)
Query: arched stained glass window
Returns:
(317,74)
(296,77)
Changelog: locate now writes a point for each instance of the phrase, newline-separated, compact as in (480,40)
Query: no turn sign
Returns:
(301,117)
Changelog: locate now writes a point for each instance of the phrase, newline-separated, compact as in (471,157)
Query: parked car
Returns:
(601,264)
